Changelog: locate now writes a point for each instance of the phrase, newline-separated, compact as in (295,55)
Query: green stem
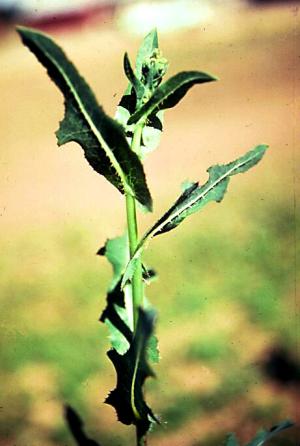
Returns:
(137,282)
(137,279)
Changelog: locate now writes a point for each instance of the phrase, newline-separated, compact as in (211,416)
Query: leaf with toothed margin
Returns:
(264,436)
(132,370)
(102,139)
(194,198)
(116,315)
(169,93)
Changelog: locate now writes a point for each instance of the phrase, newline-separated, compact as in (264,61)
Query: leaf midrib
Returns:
(152,231)
(197,198)
(132,390)
(159,99)
(93,127)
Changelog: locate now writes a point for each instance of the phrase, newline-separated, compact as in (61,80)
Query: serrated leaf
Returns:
(102,139)
(264,436)
(231,440)
(194,198)
(117,314)
(169,93)
(132,370)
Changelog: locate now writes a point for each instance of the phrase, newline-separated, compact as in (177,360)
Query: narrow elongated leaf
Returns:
(135,82)
(194,198)
(132,370)
(263,436)
(102,139)
(169,93)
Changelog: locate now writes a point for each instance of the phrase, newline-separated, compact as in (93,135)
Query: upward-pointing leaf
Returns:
(150,68)
(148,46)
(169,93)
(135,82)
(102,139)
(194,198)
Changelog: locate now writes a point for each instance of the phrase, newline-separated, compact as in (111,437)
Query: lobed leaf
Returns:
(117,314)
(194,198)
(169,93)
(102,139)
(132,369)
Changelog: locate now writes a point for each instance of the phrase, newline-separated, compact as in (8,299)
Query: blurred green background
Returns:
(226,294)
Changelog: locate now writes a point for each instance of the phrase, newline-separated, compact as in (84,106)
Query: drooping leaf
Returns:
(169,93)
(194,198)
(132,370)
(263,436)
(231,440)
(102,139)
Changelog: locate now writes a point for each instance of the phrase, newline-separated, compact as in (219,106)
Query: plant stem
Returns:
(137,279)
(136,283)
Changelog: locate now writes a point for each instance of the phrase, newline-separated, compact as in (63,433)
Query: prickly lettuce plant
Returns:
(116,149)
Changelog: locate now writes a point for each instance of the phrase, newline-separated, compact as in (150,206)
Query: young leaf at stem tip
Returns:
(102,139)
(194,198)
(149,71)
